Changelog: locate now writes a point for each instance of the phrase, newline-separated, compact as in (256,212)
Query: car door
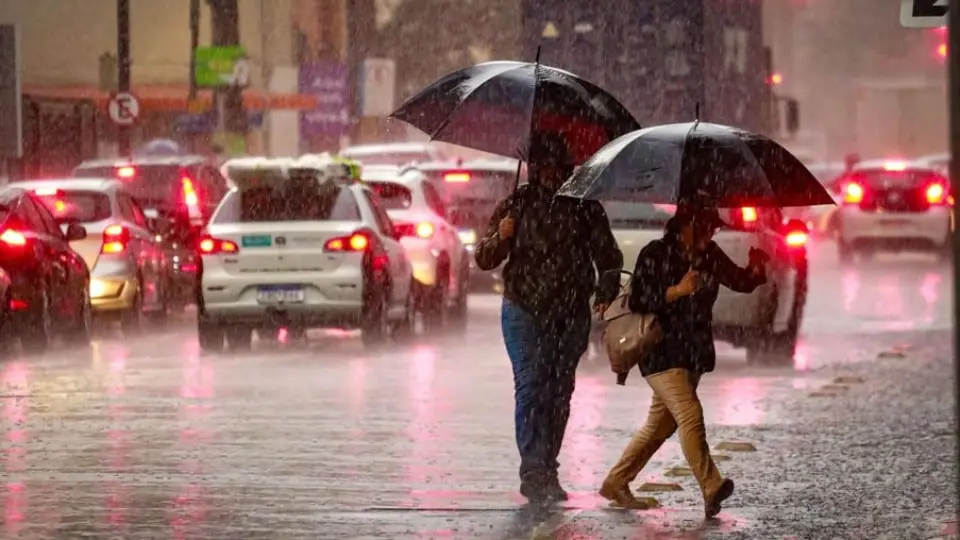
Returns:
(67,269)
(144,246)
(399,265)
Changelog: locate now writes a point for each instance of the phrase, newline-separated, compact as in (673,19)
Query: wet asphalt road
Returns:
(146,438)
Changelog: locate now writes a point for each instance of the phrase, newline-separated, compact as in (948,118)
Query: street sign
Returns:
(379,86)
(217,67)
(330,82)
(923,13)
(123,108)
(550,31)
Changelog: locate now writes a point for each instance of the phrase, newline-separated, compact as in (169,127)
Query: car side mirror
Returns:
(75,231)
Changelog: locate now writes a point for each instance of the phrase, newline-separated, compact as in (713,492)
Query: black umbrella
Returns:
(495,106)
(699,163)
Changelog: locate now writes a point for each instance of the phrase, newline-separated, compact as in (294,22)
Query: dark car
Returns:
(49,284)
(179,194)
(470,191)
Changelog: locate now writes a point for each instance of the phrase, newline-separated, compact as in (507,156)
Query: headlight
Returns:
(468,237)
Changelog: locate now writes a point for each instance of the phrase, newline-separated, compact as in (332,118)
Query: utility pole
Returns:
(194,43)
(123,69)
(225,16)
(953,76)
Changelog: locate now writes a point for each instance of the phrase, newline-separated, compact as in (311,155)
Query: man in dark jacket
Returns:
(554,249)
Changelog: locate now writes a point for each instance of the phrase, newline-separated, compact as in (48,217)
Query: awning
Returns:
(172,98)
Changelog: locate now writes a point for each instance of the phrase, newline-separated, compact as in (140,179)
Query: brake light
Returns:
(115,239)
(355,242)
(189,193)
(46,192)
(424,229)
(13,238)
(853,193)
(748,214)
(797,238)
(895,166)
(936,193)
(456,177)
(215,246)
(126,172)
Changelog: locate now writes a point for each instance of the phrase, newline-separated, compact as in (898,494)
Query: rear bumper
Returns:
(423,260)
(931,227)
(113,287)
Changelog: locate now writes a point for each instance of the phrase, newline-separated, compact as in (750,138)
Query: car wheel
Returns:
(435,301)
(131,321)
(458,313)
(239,338)
(39,335)
(83,326)
(160,316)
(374,326)
(778,348)
(210,335)
(406,327)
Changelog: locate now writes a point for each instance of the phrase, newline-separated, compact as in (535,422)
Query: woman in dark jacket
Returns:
(677,279)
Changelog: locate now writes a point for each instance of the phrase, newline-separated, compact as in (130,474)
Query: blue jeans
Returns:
(544,362)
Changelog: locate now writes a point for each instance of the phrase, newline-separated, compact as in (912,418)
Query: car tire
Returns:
(435,300)
(374,326)
(38,337)
(459,311)
(210,335)
(82,329)
(161,315)
(239,338)
(778,348)
(405,328)
(131,320)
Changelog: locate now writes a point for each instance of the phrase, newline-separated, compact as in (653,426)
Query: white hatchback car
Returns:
(300,247)
(765,322)
(441,264)
(893,205)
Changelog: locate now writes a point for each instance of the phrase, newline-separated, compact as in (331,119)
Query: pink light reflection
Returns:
(739,402)
(583,447)
(889,298)
(358,385)
(189,512)
(850,289)
(14,508)
(801,356)
(425,429)
(930,291)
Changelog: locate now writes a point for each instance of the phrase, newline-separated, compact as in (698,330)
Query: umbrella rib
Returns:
(449,118)
(757,163)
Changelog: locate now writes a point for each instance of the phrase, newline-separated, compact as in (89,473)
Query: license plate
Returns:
(893,222)
(256,241)
(286,294)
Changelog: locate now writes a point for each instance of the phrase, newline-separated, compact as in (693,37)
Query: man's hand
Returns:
(506,228)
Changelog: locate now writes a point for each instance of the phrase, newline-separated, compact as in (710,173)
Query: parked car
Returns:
(441,264)
(301,246)
(129,269)
(765,322)
(49,284)
(894,205)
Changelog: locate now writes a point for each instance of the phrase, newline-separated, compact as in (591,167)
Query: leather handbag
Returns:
(628,337)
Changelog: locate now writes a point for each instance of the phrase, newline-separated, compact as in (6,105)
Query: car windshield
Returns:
(368,157)
(78,206)
(152,185)
(305,202)
(392,195)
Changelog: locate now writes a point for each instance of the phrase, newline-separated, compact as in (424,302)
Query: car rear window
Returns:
(152,185)
(881,178)
(305,203)
(78,206)
(393,196)
(388,158)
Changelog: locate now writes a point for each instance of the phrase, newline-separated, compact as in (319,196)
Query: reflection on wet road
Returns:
(148,438)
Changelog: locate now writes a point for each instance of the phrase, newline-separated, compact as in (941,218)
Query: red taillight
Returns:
(853,193)
(748,214)
(11,237)
(126,172)
(456,177)
(355,242)
(215,246)
(190,197)
(17,304)
(424,229)
(797,238)
(936,193)
(115,239)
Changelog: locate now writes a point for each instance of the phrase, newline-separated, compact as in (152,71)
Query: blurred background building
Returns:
(326,72)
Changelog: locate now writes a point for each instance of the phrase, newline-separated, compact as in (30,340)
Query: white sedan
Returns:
(441,264)
(297,248)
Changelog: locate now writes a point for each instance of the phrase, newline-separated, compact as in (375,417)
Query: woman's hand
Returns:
(689,284)
(506,228)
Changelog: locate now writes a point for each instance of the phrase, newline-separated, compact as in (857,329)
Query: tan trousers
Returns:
(675,405)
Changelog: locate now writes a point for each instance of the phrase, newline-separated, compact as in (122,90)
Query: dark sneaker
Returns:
(555,491)
(713,506)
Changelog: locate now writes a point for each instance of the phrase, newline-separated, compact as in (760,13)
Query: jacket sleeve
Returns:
(607,257)
(491,250)
(648,290)
(731,276)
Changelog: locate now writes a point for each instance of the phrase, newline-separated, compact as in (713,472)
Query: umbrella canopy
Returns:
(699,163)
(495,107)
